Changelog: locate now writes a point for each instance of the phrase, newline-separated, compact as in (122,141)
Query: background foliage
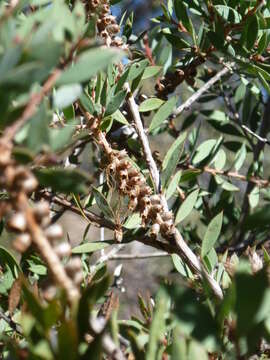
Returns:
(77,80)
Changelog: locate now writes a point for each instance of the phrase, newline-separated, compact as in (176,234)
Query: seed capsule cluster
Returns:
(107,26)
(131,183)
(20,183)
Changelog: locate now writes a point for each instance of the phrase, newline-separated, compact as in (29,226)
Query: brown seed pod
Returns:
(63,249)
(41,209)
(155,199)
(22,242)
(166,228)
(78,278)
(49,292)
(167,216)
(17,222)
(73,266)
(54,232)
(9,175)
(123,165)
(155,229)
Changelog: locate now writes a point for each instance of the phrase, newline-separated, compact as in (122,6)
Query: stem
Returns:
(186,105)
(183,249)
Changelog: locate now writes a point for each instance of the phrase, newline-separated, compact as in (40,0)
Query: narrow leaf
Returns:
(212,234)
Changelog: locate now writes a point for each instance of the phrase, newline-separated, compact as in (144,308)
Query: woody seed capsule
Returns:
(22,242)
(17,222)
(54,232)
(63,249)
(29,185)
(73,265)
(155,229)
(42,209)
(78,278)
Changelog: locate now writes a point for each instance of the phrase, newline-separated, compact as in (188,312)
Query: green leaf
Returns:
(89,247)
(38,131)
(163,113)
(7,259)
(136,69)
(151,71)
(254,197)
(181,13)
(102,203)
(240,157)
(260,218)
(157,328)
(150,104)
(204,150)
(181,266)
(173,185)
(61,138)
(67,341)
(66,95)
(187,206)
(197,351)
(133,221)
(212,234)
(87,103)
(228,13)
(172,158)
(63,180)
(252,31)
(88,64)
(115,102)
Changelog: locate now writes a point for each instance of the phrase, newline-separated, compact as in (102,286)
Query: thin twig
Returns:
(143,138)
(183,249)
(138,256)
(231,174)
(186,105)
(258,137)
(93,218)
(11,323)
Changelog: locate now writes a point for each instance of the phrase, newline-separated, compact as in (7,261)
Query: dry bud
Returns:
(22,242)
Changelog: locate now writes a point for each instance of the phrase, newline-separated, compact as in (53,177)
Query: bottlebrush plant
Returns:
(158,136)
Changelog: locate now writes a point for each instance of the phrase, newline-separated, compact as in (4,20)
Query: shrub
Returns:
(84,101)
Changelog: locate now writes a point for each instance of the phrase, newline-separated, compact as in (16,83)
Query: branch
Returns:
(138,256)
(231,174)
(186,105)
(11,323)
(93,218)
(143,138)
(183,249)
(258,137)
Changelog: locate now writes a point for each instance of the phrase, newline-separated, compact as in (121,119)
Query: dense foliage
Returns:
(84,98)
